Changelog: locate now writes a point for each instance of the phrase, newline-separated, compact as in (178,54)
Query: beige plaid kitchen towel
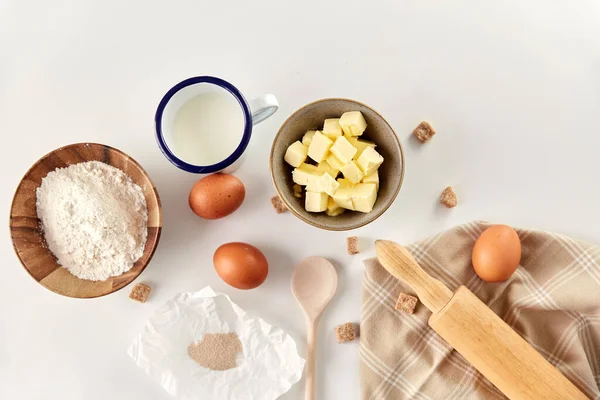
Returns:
(553,300)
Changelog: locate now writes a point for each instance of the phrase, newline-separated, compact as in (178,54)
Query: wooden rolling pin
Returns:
(479,335)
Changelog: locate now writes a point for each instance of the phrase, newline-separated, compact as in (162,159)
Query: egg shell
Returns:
(216,196)
(497,253)
(241,265)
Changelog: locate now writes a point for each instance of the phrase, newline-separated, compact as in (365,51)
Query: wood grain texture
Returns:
(498,352)
(398,261)
(314,282)
(28,240)
(479,335)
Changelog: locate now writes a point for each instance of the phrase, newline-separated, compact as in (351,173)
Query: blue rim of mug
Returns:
(203,169)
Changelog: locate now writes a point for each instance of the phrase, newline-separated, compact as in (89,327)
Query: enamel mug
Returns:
(204,124)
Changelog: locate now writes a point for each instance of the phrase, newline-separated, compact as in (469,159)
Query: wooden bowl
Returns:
(311,117)
(28,240)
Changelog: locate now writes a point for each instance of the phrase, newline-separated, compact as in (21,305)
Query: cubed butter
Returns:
(296,154)
(364,196)
(369,161)
(324,166)
(305,173)
(353,123)
(334,162)
(372,178)
(332,128)
(352,172)
(307,138)
(336,148)
(345,183)
(343,198)
(316,202)
(325,184)
(343,150)
(298,191)
(333,210)
(319,147)
(360,145)
(308,167)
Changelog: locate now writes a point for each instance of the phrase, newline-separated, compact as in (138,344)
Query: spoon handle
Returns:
(311,352)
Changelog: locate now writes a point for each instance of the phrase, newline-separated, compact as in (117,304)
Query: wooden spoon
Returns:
(314,282)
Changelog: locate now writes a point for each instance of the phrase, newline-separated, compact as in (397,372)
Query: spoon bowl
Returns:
(314,283)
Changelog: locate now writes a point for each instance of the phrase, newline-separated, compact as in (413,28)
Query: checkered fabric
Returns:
(552,300)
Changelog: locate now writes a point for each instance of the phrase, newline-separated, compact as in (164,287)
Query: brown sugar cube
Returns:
(278,205)
(406,303)
(345,333)
(448,197)
(140,292)
(352,242)
(424,131)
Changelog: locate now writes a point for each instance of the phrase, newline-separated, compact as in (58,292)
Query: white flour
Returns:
(94,218)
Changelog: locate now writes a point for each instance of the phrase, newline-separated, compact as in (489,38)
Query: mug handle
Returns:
(263,107)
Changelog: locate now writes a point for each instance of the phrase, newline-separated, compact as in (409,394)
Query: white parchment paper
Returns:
(268,367)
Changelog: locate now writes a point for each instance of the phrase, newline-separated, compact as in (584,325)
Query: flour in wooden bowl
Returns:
(94,219)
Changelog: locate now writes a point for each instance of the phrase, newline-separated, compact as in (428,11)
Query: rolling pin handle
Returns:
(400,263)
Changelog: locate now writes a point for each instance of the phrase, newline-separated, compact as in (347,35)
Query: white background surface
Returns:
(513,89)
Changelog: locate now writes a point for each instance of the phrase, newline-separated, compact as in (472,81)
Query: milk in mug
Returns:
(208,128)
(204,124)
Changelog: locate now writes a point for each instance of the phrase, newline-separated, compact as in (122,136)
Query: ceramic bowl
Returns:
(311,117)
(28,240)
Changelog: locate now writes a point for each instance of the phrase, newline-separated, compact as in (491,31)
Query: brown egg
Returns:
(497,253)
(241,265)
(217,196)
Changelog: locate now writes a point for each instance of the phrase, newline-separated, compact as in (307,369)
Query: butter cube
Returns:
(325,184)
(298,191)
(353,123)
(319,147)
(329,184)
(364,196)
(305,173)
(324,166)
(369,161)
(333,210)
(316,202)
(308,167)
(343,150)
(332,128)
(334,162)
(296,154)
(352,172)
(345,183)
(343,198)
(372,178)
(360,145)
(307,138)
